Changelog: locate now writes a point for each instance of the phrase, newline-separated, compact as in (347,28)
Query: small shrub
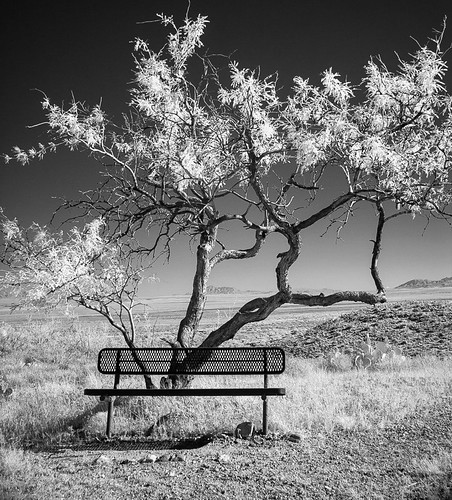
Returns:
(364,356)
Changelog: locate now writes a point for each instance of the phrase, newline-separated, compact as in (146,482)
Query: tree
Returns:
(200,151)
(48,269)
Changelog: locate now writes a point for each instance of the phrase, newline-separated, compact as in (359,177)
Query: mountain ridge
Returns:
(424,283)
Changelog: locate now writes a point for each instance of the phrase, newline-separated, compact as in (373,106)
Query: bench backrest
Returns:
(196,361)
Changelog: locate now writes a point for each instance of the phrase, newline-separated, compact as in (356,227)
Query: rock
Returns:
(164,458)
(5,393)
(102,459)
(295,438)
(257,440)
(149,459)
(245,430)
(29,360)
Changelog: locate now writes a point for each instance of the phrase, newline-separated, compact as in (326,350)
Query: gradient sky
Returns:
(83,47)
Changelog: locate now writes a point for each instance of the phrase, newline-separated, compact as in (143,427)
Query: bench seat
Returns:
(247,391)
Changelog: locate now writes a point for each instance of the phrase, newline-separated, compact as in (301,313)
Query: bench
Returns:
(190,362)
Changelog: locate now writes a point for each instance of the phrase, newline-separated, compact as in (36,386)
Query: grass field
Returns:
(48,362)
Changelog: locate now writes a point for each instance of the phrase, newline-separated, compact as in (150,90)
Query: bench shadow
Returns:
(131,445)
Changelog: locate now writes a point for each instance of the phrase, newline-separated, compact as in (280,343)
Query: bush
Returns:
(364,356)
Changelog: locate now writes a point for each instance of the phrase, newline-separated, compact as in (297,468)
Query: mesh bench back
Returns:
(203,361)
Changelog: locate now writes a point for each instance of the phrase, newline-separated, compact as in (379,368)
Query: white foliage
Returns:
(200,138)
(48,269)
(341,92)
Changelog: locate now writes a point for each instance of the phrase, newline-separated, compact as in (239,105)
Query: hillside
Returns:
(417,327)
(420,283)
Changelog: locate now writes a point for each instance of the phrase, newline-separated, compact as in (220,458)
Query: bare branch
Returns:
(334,298)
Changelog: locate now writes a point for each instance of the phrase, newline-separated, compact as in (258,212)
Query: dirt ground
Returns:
(392,463)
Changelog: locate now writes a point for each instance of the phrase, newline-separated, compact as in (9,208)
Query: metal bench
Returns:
(202,361)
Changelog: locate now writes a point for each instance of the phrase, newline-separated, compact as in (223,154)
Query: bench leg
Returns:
(264,415)
(109,415)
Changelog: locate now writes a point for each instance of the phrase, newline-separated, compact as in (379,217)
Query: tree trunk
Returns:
(147,378)
(377,249)
(259,308)
(255,310)
(189,324)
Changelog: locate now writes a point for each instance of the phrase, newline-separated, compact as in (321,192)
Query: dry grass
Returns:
(359,399)
(48,391)
(316,400)
(48,364)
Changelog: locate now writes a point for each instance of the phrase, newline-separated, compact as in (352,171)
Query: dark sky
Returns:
(83,47)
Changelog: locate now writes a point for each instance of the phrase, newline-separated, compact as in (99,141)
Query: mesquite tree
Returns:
(48,269)
(204,148)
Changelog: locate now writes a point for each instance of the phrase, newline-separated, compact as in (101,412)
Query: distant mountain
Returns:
(215,290)
(427,283)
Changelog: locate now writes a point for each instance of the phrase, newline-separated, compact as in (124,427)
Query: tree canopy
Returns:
(206,144)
